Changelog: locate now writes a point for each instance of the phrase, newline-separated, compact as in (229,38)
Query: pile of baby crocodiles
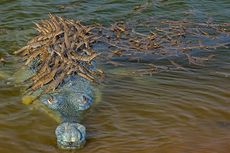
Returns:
(63,47)
(62,57)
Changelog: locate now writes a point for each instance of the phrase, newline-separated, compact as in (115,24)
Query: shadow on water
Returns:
(170,112)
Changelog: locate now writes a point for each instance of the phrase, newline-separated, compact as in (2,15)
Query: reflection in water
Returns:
(173,112)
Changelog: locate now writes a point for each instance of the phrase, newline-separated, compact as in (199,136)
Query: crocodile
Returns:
(62,78)
(61,72)
(66,105)
(74,96)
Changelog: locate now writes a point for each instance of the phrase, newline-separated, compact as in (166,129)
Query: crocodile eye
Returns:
(84,99)
(50,100)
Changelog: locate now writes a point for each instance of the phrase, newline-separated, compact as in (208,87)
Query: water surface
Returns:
(171,112)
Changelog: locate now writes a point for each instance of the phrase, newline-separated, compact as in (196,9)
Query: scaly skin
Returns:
(69,101)
(66,105)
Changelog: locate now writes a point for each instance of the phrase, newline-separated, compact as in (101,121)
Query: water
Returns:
(170,112)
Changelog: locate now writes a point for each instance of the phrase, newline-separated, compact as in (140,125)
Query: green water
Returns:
(170,112)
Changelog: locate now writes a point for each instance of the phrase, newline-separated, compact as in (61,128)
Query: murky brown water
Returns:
(173,112)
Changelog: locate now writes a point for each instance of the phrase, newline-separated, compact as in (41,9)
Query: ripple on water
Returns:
(173,112)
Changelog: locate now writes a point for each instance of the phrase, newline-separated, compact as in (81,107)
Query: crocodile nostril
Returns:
(70,143)
(70,135)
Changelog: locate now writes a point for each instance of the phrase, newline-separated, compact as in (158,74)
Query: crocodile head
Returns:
(68,102)
(70,135)
(76,94)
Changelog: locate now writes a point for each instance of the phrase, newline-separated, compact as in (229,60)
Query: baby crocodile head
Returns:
(70,135)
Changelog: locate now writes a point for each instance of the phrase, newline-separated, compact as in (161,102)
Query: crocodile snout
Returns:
(70,135)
